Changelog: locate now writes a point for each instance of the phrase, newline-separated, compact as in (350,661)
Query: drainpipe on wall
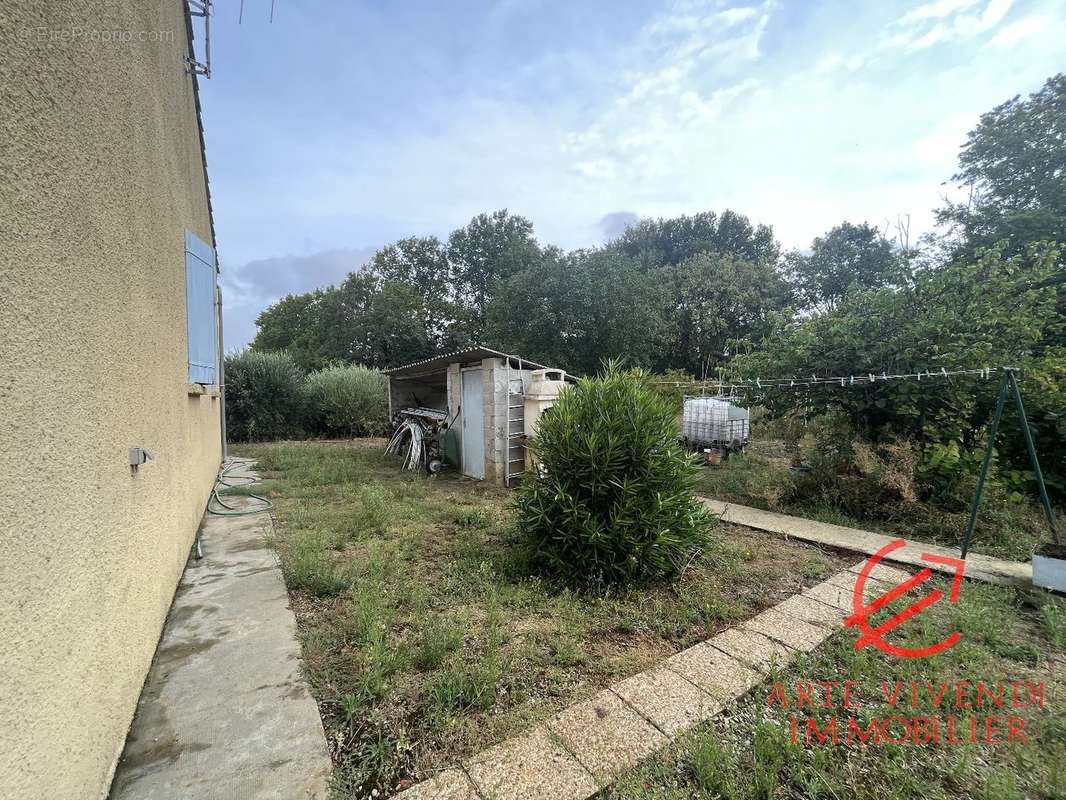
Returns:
(221,373)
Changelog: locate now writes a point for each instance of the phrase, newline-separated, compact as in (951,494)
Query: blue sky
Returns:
(344,126)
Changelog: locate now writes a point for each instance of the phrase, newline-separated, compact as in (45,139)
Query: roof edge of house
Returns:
(200,126)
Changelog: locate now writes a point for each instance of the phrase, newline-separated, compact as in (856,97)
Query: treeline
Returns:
(667,294)
(714,295)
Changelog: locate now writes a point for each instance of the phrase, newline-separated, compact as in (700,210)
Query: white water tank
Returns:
(713,422)
(545,386)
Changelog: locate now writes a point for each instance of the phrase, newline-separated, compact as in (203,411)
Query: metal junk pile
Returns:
(417,435)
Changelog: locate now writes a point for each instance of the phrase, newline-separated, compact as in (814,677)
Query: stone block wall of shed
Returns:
(102,171)
(494,396)
(495,376)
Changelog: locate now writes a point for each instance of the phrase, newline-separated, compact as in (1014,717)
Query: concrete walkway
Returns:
(979,567)
(583,748)
(225,712)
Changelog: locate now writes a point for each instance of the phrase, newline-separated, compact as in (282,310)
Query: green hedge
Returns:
(347,401)
(269,397)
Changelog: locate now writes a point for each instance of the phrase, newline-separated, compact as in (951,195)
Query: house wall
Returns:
(102,174)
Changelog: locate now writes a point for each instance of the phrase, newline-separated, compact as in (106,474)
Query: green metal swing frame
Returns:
(1009,384)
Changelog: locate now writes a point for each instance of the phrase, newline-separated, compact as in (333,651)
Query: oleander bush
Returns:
(612,500)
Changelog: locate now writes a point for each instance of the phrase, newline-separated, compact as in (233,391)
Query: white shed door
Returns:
(473,425)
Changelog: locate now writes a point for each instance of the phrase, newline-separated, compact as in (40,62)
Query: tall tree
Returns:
(661,242)
(295,324)
(490,249)
(575,310)
(849,255)
(718,299)
(1014,165)
(421,265)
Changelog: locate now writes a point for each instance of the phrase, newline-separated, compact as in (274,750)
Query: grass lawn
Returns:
(748,753)
(426,638)
(760,478)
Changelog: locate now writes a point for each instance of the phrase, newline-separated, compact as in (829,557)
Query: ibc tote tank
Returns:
(713,422)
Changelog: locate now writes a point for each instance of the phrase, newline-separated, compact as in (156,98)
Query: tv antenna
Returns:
(240,13)
(200,8)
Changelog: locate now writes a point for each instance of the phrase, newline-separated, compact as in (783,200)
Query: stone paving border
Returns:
(979,567)
(580,750)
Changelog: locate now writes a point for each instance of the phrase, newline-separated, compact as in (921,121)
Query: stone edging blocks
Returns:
(581,749)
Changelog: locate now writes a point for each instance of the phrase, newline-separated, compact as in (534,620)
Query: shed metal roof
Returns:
(440,363)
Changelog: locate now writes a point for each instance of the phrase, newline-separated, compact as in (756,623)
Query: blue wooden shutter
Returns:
(200,309)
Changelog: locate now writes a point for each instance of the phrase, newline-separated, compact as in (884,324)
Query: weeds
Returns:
(461,687)
(424,638)
(474,518)
(884,491)
(440,637)
(566,652)
(1053,615)
(713,767)
(376,510)
(308,564)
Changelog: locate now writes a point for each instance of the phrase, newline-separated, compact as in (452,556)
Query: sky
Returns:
(342,126)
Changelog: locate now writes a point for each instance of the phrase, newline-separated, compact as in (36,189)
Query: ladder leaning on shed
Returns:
(514,437)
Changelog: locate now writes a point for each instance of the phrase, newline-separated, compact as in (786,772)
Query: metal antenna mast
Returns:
(201,8)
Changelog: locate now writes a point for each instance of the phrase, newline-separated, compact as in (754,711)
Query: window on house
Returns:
(200,309)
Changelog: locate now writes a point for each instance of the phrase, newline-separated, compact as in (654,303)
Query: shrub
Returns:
(264,396)
(612,500)
(347,401)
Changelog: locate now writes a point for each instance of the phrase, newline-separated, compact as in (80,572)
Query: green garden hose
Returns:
(224,480)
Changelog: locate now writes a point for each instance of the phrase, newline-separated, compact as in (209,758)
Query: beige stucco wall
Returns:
(100,175)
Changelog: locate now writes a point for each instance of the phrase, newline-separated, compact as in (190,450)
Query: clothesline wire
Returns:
(838,380)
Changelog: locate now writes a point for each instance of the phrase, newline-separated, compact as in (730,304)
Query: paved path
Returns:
(225,712)
(982,568)
(583,748)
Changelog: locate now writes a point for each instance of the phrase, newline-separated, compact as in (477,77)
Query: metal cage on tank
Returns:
(714,422)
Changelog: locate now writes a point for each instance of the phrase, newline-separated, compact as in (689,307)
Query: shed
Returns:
(483,392)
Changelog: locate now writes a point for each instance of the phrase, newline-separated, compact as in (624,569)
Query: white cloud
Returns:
(945,21)
(693,21)
(670,91)
(935,10)
(1021,30)
(939,148)
(836,61)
